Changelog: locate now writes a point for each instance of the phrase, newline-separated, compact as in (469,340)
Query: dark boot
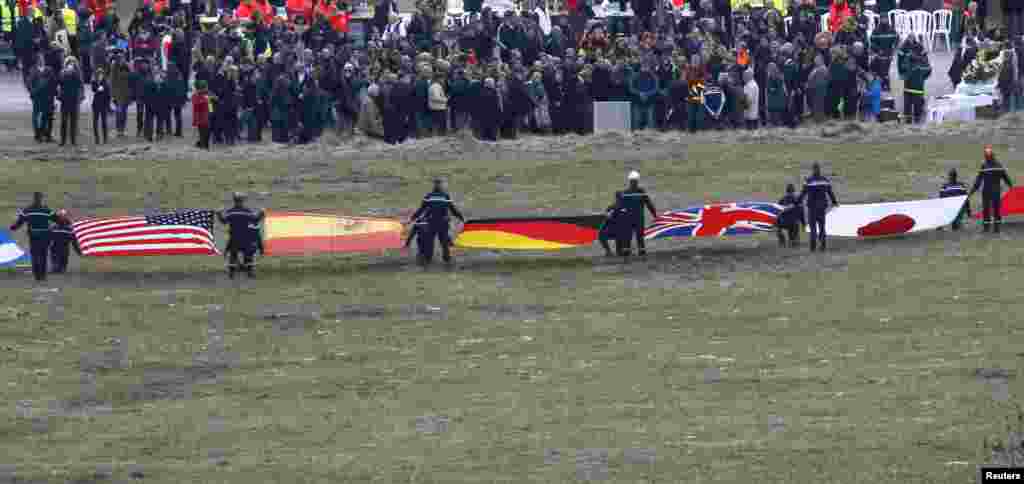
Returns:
(231,272)
(995,227)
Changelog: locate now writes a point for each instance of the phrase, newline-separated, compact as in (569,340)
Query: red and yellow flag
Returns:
(300,233)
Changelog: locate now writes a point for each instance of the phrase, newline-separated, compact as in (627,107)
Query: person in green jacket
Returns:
(280,109)
(916,72)
(314,112)
(177,89)
(421,113)
(23,46)
(883,45)
(86,40)
(840,78)
(884,6)
(775,96)
(458,100)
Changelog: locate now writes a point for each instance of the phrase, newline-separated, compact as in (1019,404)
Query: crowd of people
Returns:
(499,75)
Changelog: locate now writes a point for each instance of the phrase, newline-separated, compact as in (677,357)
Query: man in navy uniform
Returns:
(38,218)
(953,188)
(634,201)
(818,192)
(611,230)
(990,180)
(791,220)
(436,207)
(242,238)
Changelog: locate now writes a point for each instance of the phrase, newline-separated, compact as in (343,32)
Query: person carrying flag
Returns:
(953,188)
(62,240)
(818,192)
(611,228)
(243,239)
(990,178)
(435,209)
(38,217)
(791,220)
(634,201)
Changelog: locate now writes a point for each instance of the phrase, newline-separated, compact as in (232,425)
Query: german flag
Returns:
(298,233)
(530,233)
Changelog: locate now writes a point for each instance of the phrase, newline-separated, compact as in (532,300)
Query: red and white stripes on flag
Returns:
(185,232)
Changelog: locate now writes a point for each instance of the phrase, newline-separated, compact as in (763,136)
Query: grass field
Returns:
(715,361)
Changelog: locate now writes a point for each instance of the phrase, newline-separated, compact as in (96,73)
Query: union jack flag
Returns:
(715,220)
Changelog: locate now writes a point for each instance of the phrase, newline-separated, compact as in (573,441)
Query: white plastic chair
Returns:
(824,22)
(872,23)
(455,8)
(893,14)
(788,21)
(943,25)
(922,24)
(901,24)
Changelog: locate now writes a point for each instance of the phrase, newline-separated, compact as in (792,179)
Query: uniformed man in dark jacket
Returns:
(62,240)
(435,207)
(818,192)
(242,238)
(990,180)
(953,188)
(634,201)
(791,220)
(38,217)
(612,228)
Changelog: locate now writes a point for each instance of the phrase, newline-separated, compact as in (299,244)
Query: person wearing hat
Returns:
(634,201)
(436,207)
(953,188)
(990,179)
(201,114)
(38,218)
(243,237)
(71,95)
(62,240)
(818,191)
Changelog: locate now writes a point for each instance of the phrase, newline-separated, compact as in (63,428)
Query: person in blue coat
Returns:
(872,98)
(643,90)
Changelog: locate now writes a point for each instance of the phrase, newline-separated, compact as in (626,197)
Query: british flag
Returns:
(716,220)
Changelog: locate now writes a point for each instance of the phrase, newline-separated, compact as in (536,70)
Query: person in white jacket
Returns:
(438,103)
(752,93)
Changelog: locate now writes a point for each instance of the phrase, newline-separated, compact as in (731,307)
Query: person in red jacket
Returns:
(840,11)
(201,114)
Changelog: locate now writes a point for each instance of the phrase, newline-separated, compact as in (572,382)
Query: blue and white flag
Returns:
(10,253)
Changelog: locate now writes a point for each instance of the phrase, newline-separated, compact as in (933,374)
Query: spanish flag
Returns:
(299,233)
(530,233)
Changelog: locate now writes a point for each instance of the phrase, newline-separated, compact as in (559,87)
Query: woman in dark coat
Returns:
(488,111)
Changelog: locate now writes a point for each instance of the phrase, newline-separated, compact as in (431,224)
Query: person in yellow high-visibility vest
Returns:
(7,21)
(70,17)
(780,5)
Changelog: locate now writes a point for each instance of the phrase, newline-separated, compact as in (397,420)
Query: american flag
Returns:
(715,220)
(183,232)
